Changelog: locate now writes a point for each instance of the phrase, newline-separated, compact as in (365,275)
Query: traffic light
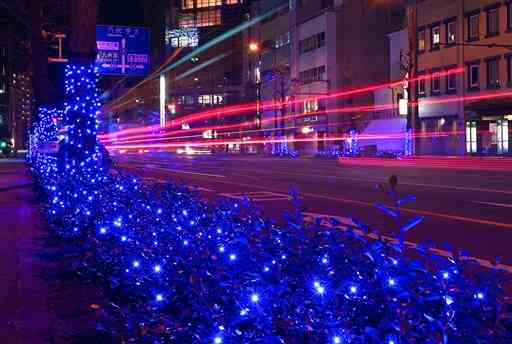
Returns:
(3,144)
(172,108)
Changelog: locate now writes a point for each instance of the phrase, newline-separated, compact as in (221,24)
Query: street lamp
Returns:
(254,47)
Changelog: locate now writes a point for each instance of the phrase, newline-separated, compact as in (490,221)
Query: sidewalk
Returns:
(34,304)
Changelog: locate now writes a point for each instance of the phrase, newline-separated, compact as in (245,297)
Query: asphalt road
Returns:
(471,210)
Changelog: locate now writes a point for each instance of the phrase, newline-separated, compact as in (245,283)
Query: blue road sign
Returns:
(122,50)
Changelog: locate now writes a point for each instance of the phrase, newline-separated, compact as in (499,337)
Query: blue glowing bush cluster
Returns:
(195,273)
(190,272)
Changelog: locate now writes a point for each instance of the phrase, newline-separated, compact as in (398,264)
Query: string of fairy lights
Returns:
(194,272)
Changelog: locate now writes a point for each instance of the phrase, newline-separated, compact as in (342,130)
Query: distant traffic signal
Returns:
(172,108)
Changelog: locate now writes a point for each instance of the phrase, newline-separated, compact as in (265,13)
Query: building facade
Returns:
(16,91)
(465,45)
(213,78)
(318,49)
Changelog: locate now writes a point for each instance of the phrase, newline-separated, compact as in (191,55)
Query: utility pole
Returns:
(412,69)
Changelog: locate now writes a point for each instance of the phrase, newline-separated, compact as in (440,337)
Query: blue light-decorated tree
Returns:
(80,153)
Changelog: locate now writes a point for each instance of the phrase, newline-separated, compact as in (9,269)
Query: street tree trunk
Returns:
(84,15)
(39,57)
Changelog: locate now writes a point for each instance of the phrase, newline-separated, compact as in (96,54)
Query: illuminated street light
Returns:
(254,47)
(162,100)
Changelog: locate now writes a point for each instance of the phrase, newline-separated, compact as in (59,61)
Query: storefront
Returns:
(489,127)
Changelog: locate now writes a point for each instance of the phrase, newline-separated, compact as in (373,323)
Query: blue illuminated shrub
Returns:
(184,271)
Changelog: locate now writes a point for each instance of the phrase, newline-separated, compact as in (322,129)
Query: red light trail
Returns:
(236,109)
(166,136)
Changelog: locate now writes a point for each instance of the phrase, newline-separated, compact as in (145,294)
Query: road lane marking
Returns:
(202,189)
(258,196)
(453,187)
(372,205)
(184,172)
(503,205)
(346,223)
(372,181)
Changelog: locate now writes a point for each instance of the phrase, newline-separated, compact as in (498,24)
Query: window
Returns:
(183,37)
(231,2)
(209,99)
(421,87)
(186,20)
(435,38)
(421,40)
(471,139)
(451,82)
(493,73)
(502,136)
(312,75)
(509,69)
(435,83)
(312,43)
(473,27)
(474,76)
(493,22)
(282,40)
(311,105)
(451,32)
(208,18)
(187,4)
(208,3)
(509,16)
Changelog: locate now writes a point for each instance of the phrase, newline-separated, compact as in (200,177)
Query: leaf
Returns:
(411,224)
(386,210)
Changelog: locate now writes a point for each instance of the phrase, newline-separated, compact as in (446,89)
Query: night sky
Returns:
(121,12)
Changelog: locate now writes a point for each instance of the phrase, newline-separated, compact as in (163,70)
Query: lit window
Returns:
(209,99)
(231,2)
(474,76)
(451,32)
(473,27)
(502,136)
(208,3)
(311,105)
(186,20)
(493,73)
(184,37)
(471,139)
(435,39)
(421,40)
(187,4)
(208,18)
(492,22)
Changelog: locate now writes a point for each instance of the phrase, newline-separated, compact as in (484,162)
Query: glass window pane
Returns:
(492,21)
(473,26)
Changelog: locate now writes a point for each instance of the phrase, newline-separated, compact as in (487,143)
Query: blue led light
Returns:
(255,298)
